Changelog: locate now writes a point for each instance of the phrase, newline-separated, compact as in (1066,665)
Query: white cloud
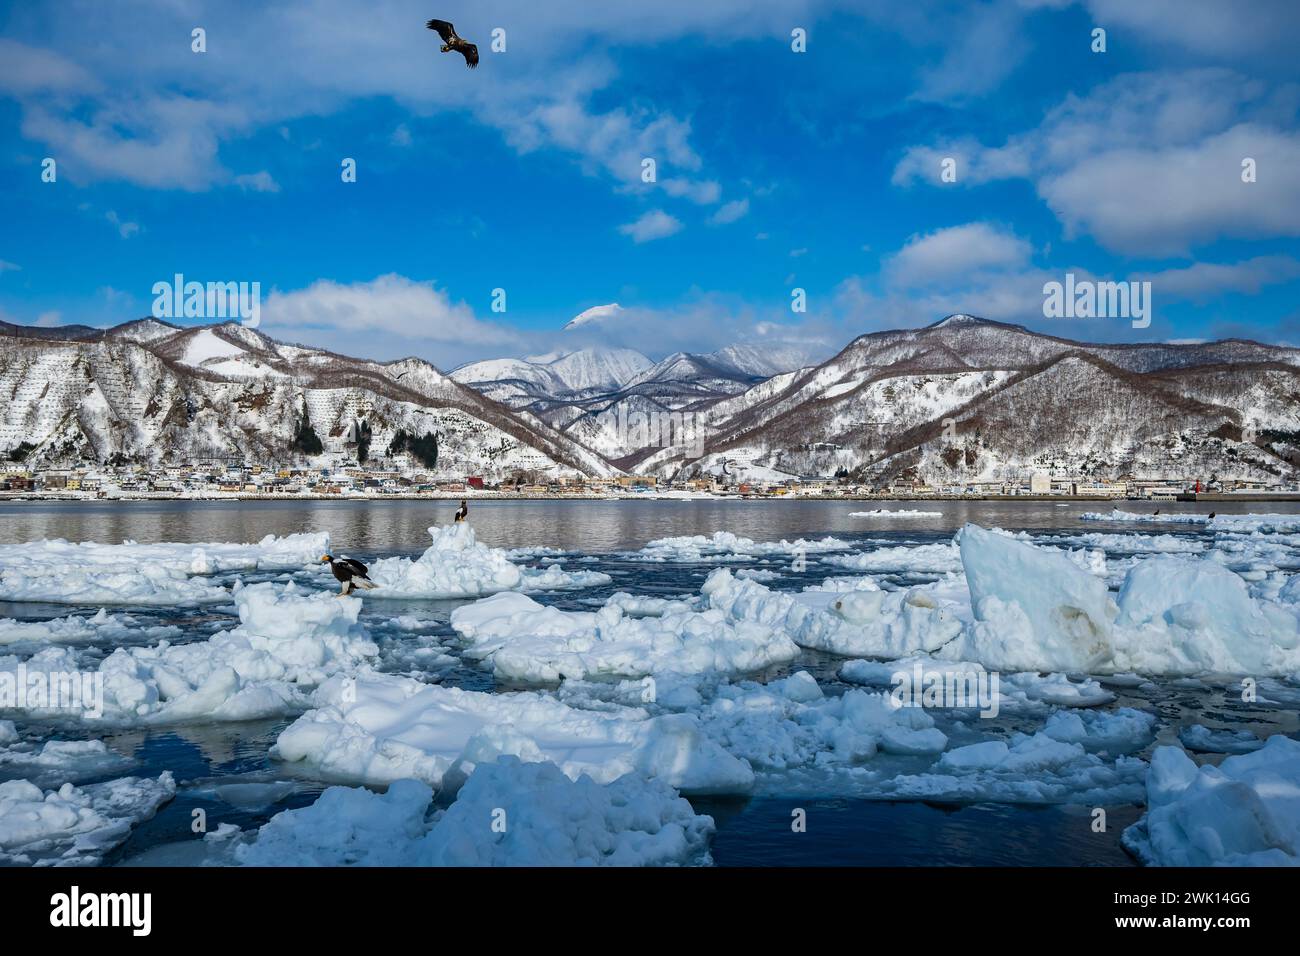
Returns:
(730,212)
(412,311)
(258,182)
(655,224)
(1207,280)
(1158,202)
(1148,164)
(948,256)
(1263,28)
(48,320)
(6,266)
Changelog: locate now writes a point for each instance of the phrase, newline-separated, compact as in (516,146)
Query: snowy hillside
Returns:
(961,400)
(149,392)
(968,399)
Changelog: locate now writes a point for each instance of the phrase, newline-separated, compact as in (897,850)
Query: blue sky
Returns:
(775,169)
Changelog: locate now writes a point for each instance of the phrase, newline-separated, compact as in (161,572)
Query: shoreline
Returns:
(1220,497)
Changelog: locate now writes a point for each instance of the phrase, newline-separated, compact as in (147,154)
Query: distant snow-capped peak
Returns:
(594,314)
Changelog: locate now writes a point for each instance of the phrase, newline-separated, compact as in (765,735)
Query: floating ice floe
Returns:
(555,578)
(455,565)
(1036,610)
(532,643)
(1118,515)
(901,513)
(57,761)
(1012,692)
(1034,768)
(1244,812)
(545,819)
(74,629)
(791,724)
(726,546)
(921,559)
(380,728)
(75,826)
(287,642)
(1202,739)
(861,623)
(1020,607)
(61,572)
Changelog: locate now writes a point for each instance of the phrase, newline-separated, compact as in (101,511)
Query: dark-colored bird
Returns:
(1157,511)
(462,512)
(350,573)
(451,43)
(1211,515)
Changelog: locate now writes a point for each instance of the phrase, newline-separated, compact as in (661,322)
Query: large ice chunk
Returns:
(509,813)
(75,826)
(1033,606)
(530,642)
(1244,812)
(380,728)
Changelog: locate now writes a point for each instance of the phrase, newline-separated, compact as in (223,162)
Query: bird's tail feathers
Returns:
(364,583)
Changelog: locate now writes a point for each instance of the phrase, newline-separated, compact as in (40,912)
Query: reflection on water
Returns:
(378,527)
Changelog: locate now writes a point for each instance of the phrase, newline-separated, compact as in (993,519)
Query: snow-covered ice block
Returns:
(455,565)
(1168,518)
(1035,608)
(1181,615)
(549,820)
(533,643)
(791,724)
(556,578)
(61,572)
(75,629)
(1245,812)
(287,641)
(1028,769)
(920,559)
(75,826)
(1202,739)
(866,622)
(724,545)
(59,761)
(1125,730)
(380,728)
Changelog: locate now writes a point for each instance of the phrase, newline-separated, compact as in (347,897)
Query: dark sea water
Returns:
(751,832)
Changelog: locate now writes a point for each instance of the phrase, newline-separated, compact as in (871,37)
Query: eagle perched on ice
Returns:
(451,42)
(350,573)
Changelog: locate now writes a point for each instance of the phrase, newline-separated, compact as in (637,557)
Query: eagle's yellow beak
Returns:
(324,558)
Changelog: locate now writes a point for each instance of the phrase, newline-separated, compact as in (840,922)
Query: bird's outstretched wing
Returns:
(445,30)
(470,52)
(356,566)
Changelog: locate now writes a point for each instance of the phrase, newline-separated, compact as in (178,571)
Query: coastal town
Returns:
(400,476)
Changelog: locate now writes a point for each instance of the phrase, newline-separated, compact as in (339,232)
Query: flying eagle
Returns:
(451,42)
(350,573)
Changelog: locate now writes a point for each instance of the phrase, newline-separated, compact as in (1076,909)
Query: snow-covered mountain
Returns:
(970,399)
(149,391)
(586,393)
(582,370)
(963,399)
